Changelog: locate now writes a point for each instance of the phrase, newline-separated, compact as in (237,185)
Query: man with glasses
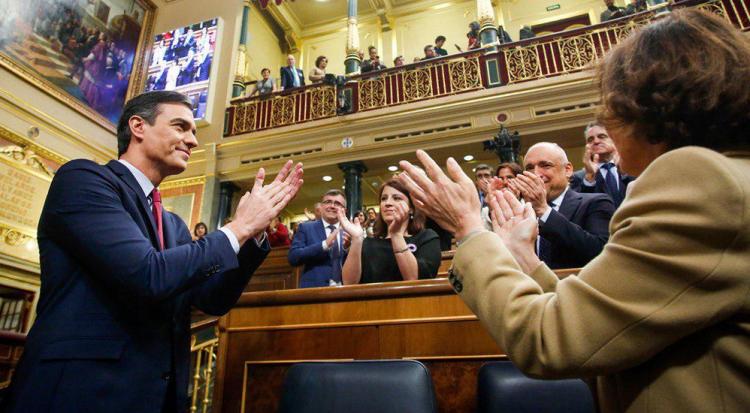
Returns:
(319,244)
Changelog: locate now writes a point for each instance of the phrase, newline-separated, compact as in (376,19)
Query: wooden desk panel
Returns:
(423,320)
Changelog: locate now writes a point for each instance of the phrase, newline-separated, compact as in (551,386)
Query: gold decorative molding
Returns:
(27,157)
(13,236)
(28,144)
(181,183)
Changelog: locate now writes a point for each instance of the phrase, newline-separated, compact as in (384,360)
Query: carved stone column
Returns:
(240,75)
(353,182)
(352,60)
(487,24)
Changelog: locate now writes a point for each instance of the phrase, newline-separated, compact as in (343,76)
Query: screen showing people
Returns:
(181,61)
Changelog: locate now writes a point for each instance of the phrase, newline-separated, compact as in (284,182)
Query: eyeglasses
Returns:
(329,202)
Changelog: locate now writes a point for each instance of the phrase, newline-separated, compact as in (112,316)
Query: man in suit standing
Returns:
(319,244)
(601,173)
(291,77)
(573,227)
(119,273)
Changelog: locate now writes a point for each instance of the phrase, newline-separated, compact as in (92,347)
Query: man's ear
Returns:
(137,127)
(568,170)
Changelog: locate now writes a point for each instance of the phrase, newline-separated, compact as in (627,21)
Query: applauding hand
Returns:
(451,200)
(263,203)
(353,228)
(400,222)
(517,225)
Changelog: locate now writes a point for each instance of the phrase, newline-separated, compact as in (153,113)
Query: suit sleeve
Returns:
(428,255)
(85,213)
(668,271)
(304,247)
(588,239)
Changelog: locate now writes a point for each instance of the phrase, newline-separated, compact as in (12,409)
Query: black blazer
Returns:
(578,231)
(113,319)
(287,78)
(576,184)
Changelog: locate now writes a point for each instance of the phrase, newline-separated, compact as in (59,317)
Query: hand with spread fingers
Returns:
(263,203)
(400,222)
(451,200)
(353,228)
(517,225)
(533,191)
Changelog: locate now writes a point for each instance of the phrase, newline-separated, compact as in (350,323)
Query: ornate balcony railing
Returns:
(204,343)
(531,59)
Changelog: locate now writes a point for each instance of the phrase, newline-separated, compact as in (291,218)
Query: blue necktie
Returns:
(610,182)
(335,257)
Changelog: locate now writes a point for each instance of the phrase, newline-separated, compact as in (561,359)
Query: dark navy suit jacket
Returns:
(113,321)
(576,184)
(578,231)
(287,78)
(307,250)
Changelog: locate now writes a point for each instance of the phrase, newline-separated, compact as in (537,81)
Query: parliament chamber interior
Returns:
(348,311)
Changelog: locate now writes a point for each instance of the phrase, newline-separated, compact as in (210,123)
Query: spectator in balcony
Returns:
(658,322)
(611,12)
(278,234)
(439,42)
(417,59)
(199,231)
(318,73)
(398,61)
(373,63)
(526,32)
(265,85)
(503,36)
(429,52)
(601,172)
(473,36)
(636,6)
(402,248)
(291,76)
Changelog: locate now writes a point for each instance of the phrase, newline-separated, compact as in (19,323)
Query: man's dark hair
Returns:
(333,192)
(371,47)
(482,167)
(146,106)
(439,39)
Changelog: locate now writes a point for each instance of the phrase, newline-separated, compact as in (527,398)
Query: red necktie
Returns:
(156,209)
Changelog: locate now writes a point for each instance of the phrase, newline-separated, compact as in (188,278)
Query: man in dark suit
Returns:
(319,244)
(573,227)
(119,274)
(291,77)
(601,173)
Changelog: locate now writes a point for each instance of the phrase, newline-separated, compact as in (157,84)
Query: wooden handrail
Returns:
(11,337)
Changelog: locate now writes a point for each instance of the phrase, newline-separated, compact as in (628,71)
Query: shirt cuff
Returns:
(544,216)
(324,245)
(232,239)
(259,241)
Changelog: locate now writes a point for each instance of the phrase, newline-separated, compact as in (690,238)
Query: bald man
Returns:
(291,76)
(573,227)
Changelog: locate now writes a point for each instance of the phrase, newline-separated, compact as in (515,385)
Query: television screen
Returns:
(181,61)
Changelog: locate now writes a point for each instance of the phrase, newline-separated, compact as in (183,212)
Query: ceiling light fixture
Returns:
(327,178)
(468,158)
(393,168)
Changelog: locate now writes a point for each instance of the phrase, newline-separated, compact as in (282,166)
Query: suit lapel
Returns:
(146,213)
(321,229)
(570,203)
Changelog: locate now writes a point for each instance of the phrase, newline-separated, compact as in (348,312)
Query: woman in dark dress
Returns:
(402,248)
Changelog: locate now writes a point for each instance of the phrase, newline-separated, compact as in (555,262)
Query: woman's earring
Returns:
(411,215)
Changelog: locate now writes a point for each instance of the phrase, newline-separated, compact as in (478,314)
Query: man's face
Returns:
(505,175)
(290,61)
(598,142)
(482,179)
(168,142)
(547,164)
(330,206)
(399,61)
(373,54)
(429,52)
(439,43)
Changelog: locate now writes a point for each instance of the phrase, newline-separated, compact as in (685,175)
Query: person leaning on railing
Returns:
(660,320)
(265,85)
(402,248)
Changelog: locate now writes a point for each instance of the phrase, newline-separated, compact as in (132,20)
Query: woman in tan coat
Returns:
(660,320)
